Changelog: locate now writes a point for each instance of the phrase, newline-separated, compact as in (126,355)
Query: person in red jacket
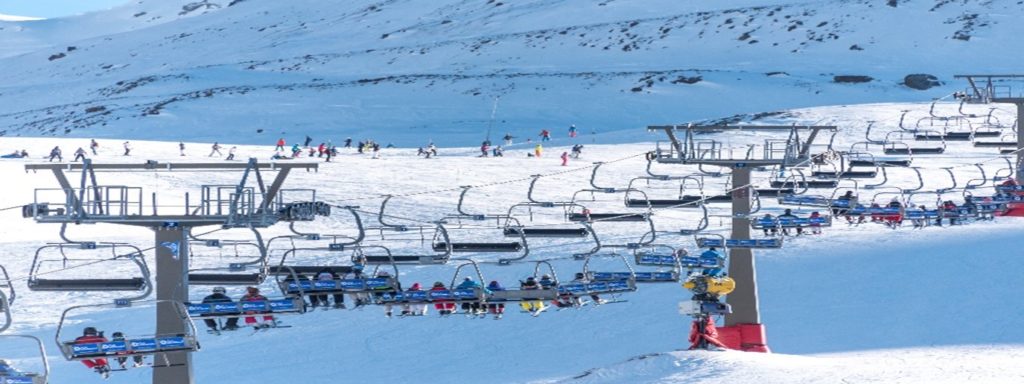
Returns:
(280,144)
(565,158)
(444,307)
(253,294)
(89,336)
(321,150)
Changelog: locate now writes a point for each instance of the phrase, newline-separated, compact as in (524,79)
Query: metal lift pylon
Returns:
(92,203)
(793,152)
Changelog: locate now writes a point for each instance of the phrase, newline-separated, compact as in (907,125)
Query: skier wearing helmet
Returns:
(253,294)
(219,296)
(89,336)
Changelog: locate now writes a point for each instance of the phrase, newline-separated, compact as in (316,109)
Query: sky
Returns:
(54,8)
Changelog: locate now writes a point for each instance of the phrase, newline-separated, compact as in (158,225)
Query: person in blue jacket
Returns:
(471,308)
(713,254)
(496,309)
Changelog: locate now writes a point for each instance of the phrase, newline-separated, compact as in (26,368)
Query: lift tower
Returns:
(984,89)
(229,206)
(792,151)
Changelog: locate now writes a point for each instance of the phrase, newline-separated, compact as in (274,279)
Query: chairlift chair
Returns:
(599,283)
(158,344)
(25,377)
(234,274)
(38,281)
(449,294)
(442,256)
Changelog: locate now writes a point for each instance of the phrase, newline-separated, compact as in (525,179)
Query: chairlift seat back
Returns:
(916,151)
(736,243)
(89,285)
(774,192)
(546,232)
(790,222)
(880,163)
(655,259)
(480,247)
(692,262)
(987,134)
(991,144)
(598,287)
(403,259)
(308,269)
(610,217)
(1010,188)
(523,295)
(815,184)
(130,347)
(225,278)
(23,378)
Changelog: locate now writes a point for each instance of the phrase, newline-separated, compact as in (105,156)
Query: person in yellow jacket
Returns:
(537,150)
(533,306)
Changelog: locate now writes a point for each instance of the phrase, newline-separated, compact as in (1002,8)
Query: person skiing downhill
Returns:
(321,149)
(55,154)
(545,135)
(231,153)
(127,148)
(91,335)
(280,144)
(93,145)
(508,138)
(572,131)
(79,154)
(565,158)
(181,148)
(215,149)
(348,142)
(538,150)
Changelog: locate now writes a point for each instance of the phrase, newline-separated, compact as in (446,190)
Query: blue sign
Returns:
(378,283)
(171,246)
(254,305)
(175,342)
(282,305)
(85,349)
(441,295)
(353,285)
(114,347)
(465,294)
(611,275)
(16,380)
(415,295)
(573,288)
(653,259)
(143,345)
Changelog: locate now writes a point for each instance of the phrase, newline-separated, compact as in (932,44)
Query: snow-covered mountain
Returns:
(4,17)
(405,71)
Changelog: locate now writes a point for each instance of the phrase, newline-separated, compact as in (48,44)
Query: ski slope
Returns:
(856,304)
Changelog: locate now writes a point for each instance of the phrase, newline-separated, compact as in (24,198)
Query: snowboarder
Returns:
(253,294)
(215,149)
(376,150)
(443,307)
(137,360)
(531,305)
(181,148)
(538,150)
(348,142)
(565,158)
(508,138)
(79,154)
(308,140)
(91,335)
(280,144)
(55,154)
(127,148)
(545,135)
(219,296)
(93,145)
(231,153)
(577,150)
(572,131)
(496,309)
(498,151)
(296,151)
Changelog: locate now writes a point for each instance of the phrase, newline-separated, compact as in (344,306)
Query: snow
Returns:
(4,17)
(862,303)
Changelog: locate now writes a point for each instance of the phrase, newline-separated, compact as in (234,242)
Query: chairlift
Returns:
(636,198)
(797,180)
(449,294)
(161,344)
(358,284)
(612,283)
(442,256)
(721,242)
(38,281)
(233,274)
(512,294)
(5,308)
(11,375)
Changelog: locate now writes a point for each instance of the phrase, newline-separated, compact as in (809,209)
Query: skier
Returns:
(219,296)
(320,149)
(356,273)
(93,145)
(580,278)
(137,360)
(181,148)
(471,308)
(327,274)
(484,147)
(79,154)
(572,131)
(431,150)
(920,223)
(577,150)
(565,158)
(531,305)
(348,142)
(329,151)
(296,151)
(498,151)
(378,292)
(769,224)
(414,309)
(253,294)
(89,336)
(837,211)
(537,150)
(949,210)
(359,147)
(787,216)
(216,149)
(127,148)
(719,259)
(231,153)
(280,144)
(545,135)
(894,220)
(496,309)
(55,154)
(308,140)
(443,307)
(508,138)
(376,150)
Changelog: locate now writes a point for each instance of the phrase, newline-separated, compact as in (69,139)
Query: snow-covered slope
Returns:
(406,71)
(862,303)
(4,17)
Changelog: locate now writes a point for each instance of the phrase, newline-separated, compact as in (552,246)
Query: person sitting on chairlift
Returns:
(471,308)
(531,305)
(788,214)
(496,309)
(123,361)
(219,296)
(327,274)
(713,254)
(444,307)
(414,309)
(91,335)
(815,224)
(769,225)
(253,294)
